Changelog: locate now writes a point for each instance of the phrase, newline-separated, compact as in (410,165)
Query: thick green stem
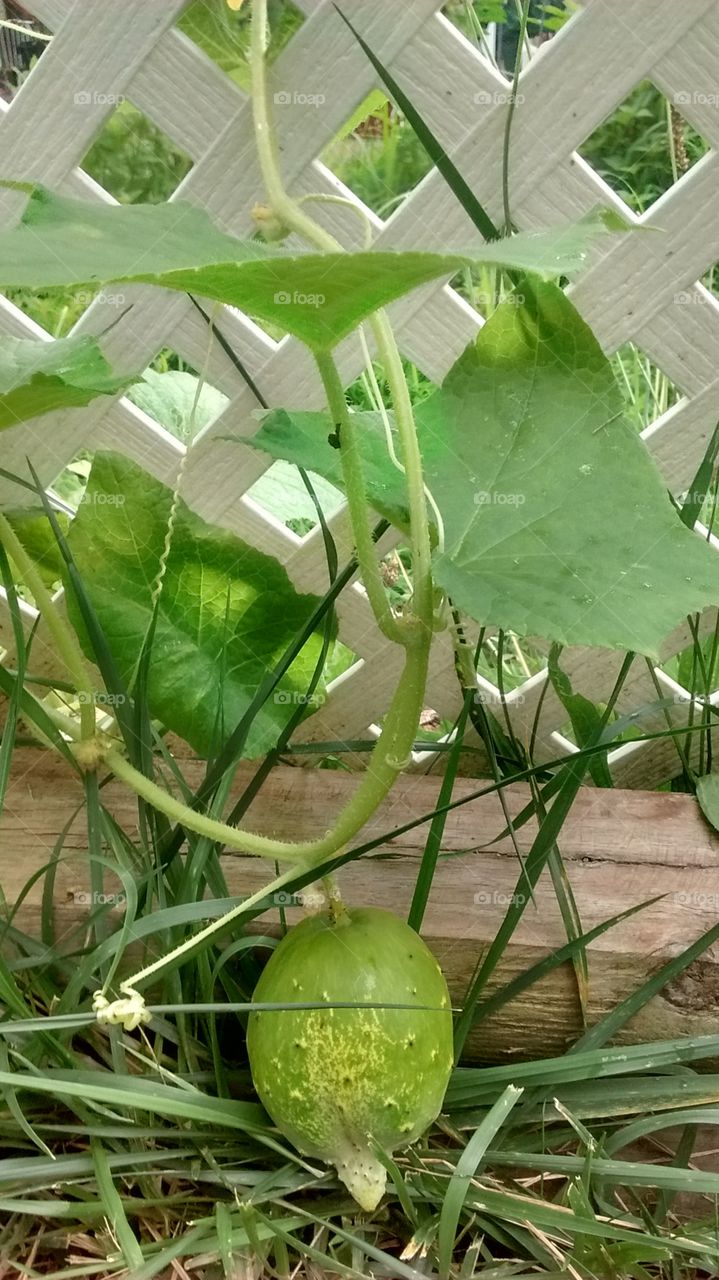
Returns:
(390,756)
(289,212)
(422,601)
(66,644)
(523,20)
(357,497)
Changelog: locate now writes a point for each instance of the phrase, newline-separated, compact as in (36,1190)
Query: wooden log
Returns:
(620,848)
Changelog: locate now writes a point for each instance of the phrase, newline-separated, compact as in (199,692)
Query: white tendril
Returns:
(129,1011)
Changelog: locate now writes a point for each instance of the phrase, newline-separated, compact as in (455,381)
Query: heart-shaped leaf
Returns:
(320,298)
(37,377)
(226,614)
(556,519)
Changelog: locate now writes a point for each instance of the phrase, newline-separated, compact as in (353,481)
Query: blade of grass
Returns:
(691,508)
(449,171)
(471,1083)
(427,866)
(572,776)
(9,729)
(464,1172)
(556,958)
(121,1229)
(559,1221)
(613,1022)
(11,1102)
(330,616)
(618,1172)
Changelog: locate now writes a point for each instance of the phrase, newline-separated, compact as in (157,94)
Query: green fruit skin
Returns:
(336,1080)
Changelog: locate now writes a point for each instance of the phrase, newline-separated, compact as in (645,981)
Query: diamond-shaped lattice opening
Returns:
(281,492)
(644,146)
(134,160)
(224,33)
(646,389)
(23,40)
(168,393)
(377,155)
(494,25)
(56,309)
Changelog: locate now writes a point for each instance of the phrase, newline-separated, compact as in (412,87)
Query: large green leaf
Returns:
(319,298)
(226,614)
(556,519)
(37,377)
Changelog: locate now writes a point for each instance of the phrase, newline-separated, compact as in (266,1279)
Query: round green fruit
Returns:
(339,1081)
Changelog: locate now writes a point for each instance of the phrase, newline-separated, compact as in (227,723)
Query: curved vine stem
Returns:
(294,218)
(356,498)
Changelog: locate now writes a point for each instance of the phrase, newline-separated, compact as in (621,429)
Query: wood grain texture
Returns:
(620,849)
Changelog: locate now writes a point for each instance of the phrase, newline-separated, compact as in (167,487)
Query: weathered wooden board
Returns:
(620,848)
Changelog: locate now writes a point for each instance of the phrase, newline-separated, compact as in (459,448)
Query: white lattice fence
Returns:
(628,292)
